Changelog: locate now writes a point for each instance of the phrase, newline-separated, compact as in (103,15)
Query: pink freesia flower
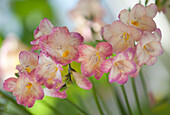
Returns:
(47,71)
(62,45)
(82,81)
(140,17)
(44,28)
(28,60)
(25,88)
(119,67)
(120,36)
(88,9)
(92,58)
(149,47)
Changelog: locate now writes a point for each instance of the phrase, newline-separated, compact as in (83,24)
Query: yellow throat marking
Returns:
(66,53)
(135,23)
(125,36)
(29,85)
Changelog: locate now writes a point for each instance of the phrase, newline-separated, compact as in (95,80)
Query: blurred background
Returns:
(19,19)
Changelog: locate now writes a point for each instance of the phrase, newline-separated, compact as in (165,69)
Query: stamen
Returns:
(29,85)
(135,23)
(28,69)
(98,55)
(125,36)
(66,53)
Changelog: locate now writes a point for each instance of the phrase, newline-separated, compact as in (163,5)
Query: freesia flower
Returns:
(47,71)
(92,58)
(28,60)
(119,67)
(82,81)
(25,88)
(140,17)
(44,28)
(149,47)
(62,45)
(88,9)
(120,36)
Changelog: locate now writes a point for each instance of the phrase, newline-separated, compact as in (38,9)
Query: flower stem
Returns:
(136,95)
(76,106)
(126,99)
(96,99)
(145,89)
(9,97)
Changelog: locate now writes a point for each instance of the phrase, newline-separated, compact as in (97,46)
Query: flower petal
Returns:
(114,74)
(82,81)
(106,65)
(123,79)
(104,48)
(9,84)
(158,34)
(123,16)
(55,93)
(86,69)
(151,10)
(151,61)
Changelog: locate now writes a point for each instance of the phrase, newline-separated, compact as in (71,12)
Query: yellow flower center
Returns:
(98,55)
(29,85)
(28,69)
(66,53)
(125,36)
(135,23)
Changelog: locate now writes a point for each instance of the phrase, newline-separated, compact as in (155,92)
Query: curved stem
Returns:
(76,106)
(136,96)
(96,99)
(9,97)
(145,89)
(126,99)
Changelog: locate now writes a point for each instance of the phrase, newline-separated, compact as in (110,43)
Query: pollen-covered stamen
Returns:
(98,56)
(29,85)
(135,23)
(65,53)
(125,36)
(28,69)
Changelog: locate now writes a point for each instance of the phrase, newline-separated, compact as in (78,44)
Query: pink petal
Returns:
(123,79)
(55,93)
(135,33)
(85,51)
(104,48)
(123,16)
(151,10)
(146,38)
(35,44)
(114,74)
(86,69)
(9,84)
(147,24)
(82,81)
(151,61)
(154,48)
(137,11)
(130,53)
(142,55)
(98,73)
(106,65)
(158,34)
(29,103)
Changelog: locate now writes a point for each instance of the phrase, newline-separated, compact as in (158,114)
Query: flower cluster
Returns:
(134,39)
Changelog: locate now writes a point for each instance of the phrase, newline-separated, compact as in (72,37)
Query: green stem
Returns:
(121,107)
(9,97)
(96,99)
(145,90)
(136,96)
(76,106)
(126,99)
(52,108)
